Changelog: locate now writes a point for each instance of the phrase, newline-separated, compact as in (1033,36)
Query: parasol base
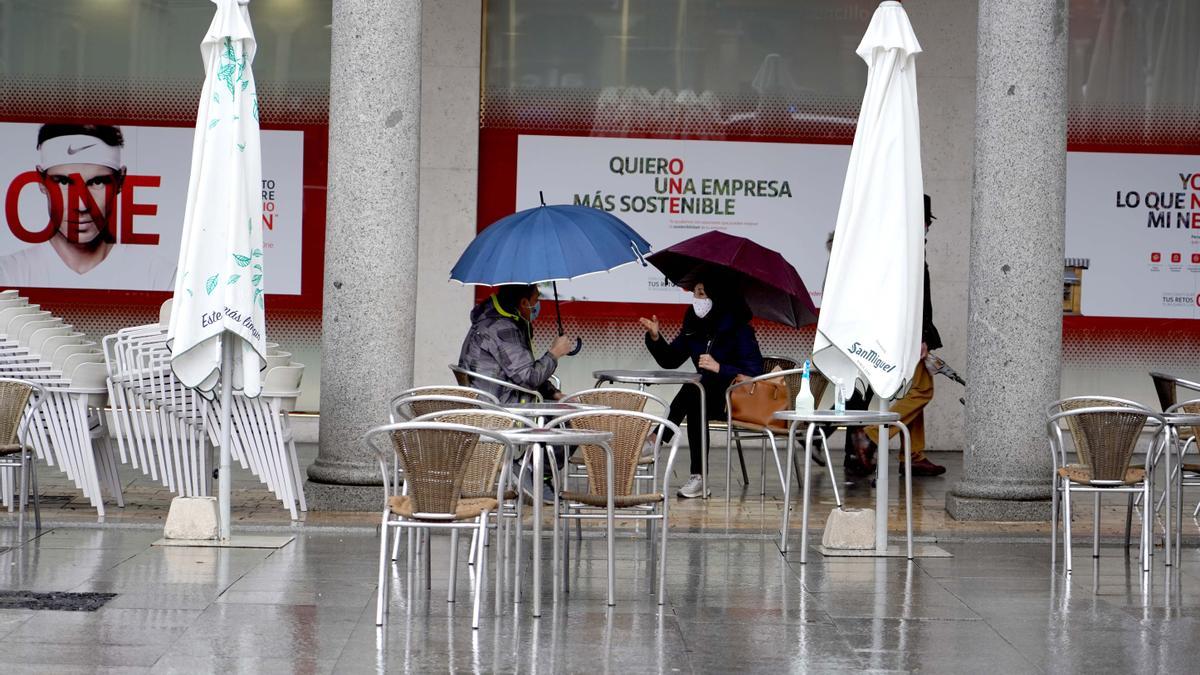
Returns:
(919,551)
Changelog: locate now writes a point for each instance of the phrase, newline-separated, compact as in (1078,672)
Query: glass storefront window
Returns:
(127,56)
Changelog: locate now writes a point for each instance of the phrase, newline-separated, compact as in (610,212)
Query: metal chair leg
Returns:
(796,467)
(662,555)
(1067,527)
(650,555)
(428,550)
(1128,522)
(833,481)
(1095,524)
(1054,524)
(411,567)
(23,497)
(396,549)
(567,555)
(762,465)
(381,598)
(1148,532)
(742,461)
(775,455)
(453,565)
(481,573)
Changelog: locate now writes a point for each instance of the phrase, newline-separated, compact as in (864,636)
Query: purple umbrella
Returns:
(769,284)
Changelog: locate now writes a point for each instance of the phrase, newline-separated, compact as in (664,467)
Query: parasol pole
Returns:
(882,462)
(224,474)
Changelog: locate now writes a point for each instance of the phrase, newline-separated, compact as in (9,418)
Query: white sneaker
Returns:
(648,450)
(694,487)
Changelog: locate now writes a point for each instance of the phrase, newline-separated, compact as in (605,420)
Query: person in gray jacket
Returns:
(500,345)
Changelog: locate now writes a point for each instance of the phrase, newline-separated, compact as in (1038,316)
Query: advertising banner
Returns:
(102,207)
(1133,235)
(783,196)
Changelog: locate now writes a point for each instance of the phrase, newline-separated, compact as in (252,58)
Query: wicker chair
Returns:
(1167,388)
(407,407)
(467,378)
(483,471)
(450,390)
(1191,470)
(19,403)
(434,457)
(1105,432)
(629,430)
(615,398)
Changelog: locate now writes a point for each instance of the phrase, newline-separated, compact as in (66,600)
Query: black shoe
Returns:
(924,467)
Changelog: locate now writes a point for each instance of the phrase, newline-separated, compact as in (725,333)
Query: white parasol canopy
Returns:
(869,328)
(217,330)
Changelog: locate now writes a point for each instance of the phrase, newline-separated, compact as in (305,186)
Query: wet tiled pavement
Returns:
(734,605)
(748,513)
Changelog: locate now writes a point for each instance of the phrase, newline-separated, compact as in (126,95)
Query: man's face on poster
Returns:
(78,223)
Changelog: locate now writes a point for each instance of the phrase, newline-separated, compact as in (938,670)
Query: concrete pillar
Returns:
(1014,339)
(369,308)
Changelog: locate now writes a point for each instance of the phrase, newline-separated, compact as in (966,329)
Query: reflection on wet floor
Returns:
(733,604)
(748,512)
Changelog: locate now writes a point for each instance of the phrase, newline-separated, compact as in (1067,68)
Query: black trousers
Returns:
(686,406)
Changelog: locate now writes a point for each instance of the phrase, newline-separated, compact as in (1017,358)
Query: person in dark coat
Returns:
(719,341)
(862,446)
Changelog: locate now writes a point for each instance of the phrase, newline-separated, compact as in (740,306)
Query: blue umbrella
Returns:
(549,243)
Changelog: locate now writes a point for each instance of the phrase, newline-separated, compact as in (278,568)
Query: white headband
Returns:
(79,149)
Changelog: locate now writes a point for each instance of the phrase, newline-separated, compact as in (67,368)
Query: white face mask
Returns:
(701,306)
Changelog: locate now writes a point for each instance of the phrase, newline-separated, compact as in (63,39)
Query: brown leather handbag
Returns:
(757,403)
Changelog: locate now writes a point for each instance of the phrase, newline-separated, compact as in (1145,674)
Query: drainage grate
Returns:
(63,602)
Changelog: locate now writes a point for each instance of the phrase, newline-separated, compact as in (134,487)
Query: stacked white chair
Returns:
(158,422)
(168,430)
(69,431)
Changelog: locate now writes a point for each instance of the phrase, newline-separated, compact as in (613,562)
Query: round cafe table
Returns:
(536,440)
(850,418)
(644,378)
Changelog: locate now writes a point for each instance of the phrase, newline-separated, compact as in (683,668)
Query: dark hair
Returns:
(107,133)
(724,291)
(510,296)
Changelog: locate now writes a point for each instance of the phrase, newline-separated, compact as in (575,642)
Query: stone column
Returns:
(369,308)
(1014,339)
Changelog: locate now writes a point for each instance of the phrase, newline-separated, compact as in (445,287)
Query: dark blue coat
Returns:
(727,337)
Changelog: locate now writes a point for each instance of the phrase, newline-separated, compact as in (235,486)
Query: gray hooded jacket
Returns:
(500,347)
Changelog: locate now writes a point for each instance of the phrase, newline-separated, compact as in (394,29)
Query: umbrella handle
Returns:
(558,315)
